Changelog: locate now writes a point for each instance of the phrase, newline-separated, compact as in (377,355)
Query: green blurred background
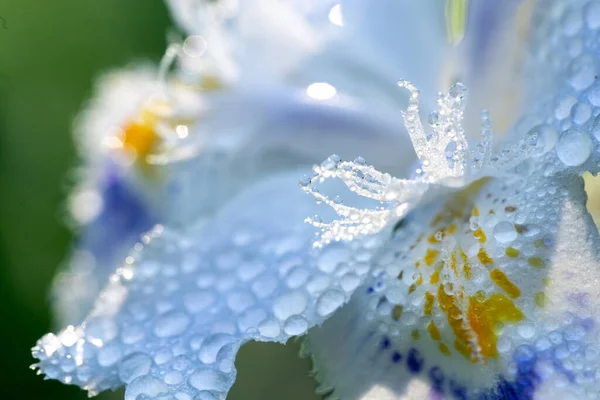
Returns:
(50,54)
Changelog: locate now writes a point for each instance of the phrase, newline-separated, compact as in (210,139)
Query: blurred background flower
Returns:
(52,53)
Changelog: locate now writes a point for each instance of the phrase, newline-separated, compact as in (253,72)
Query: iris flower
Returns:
(476,276)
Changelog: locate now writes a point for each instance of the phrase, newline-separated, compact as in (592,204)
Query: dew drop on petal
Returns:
(582,72)
(289,304)
(295,325)
(145,385)
(108,355)
(269,328)
(171,324)
(211,346)
(329,301)
(574,147)
(133,366)
(505,232)
(209,379)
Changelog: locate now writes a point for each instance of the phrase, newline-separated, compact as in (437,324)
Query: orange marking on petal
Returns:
(536,262)
(429,299)
(412,288)
(512,252)
(483,256)
(480,235)
(449,304)
(485,315)
(435,277)
(445,350)
(430,256)
(434,332)
(451,229)
(475,212)
(502,280)
(453,263)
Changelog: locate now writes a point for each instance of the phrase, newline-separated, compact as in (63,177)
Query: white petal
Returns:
(532,250)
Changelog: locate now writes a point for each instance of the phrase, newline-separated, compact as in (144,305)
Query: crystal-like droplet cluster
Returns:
(447,163)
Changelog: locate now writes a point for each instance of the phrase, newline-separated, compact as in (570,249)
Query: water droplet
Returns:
(458,93)
(108,355)
(133,366)
(582,72)
(289,304)
(205,395)
(526,330)
(145,385)
(580,113)
(305,180)
(101,328)
(329,301)
(592,14)
(331,257)
(434,118)
(171,324)
(574,147)
(212,345)
(173,378)
(295,325)
(505,232)
(269,328)
(209,379)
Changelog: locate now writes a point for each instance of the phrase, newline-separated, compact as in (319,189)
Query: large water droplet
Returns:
(145,385)
(295,325)
(574,147)
(209,379)
(212,345)
(171,324)
(133,366)
(329,301)
(592,15)
(269,328)
(505,232)
(289,304)
(109,355)
(582,72)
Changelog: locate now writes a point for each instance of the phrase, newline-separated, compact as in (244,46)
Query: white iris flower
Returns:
(475,278)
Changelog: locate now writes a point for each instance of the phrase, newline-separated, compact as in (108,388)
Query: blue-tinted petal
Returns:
(561,78)
(103,243)
(175,314)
